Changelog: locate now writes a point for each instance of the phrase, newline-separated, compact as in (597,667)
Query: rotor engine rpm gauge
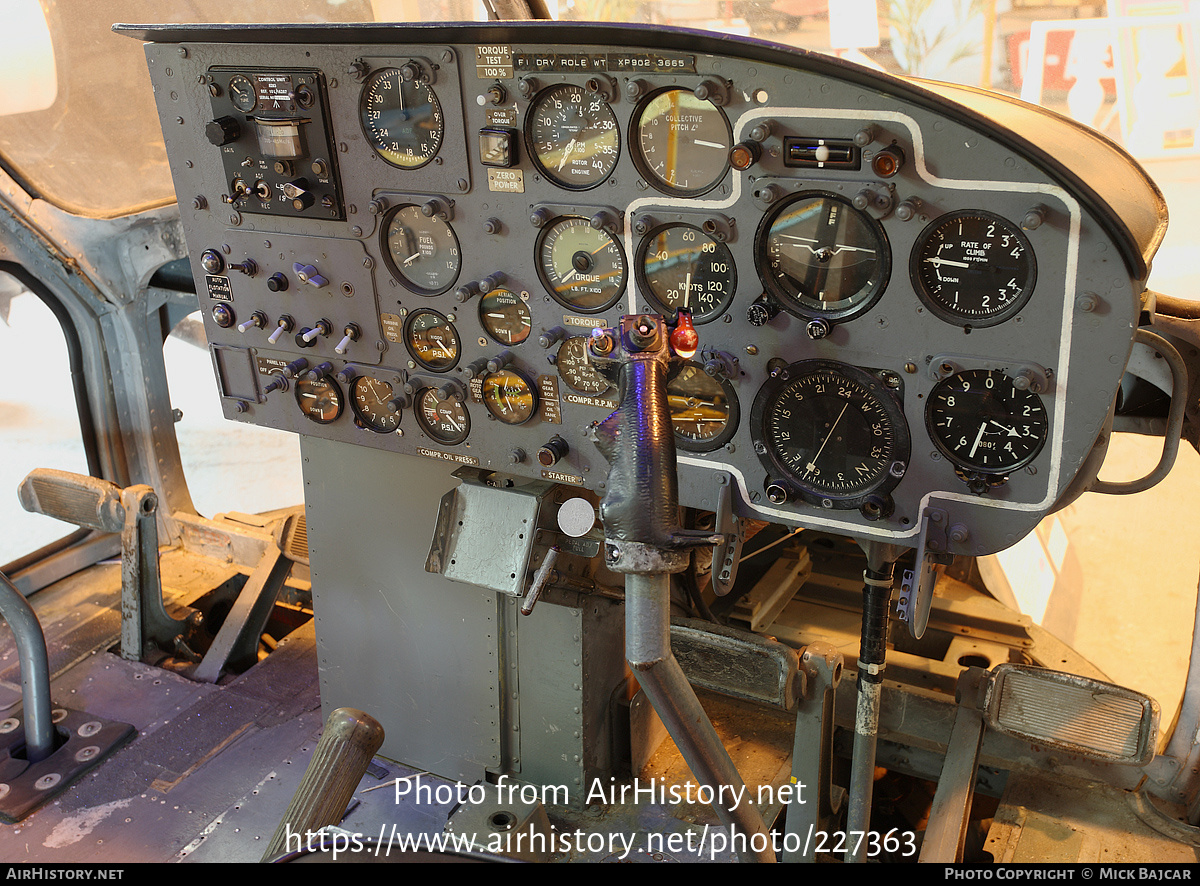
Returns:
(582,267)
(982,422)
(432,340)
(704,411)
(821,257)
(421,251)
(575,367)
(444,420)
(319,399)
(682,142)
(573,136)
(509,397)
(832,434)
(505,317)
(402,118)
(680,266)
(375,405)
(973,268)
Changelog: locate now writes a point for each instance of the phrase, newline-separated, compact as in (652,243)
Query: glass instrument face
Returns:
(509,397)
(821,257)
(373,402)
(833,432)
(682,142)
(704,411)
(973,268)
(581,266)
(982,422)
(575,367)
(402,119)
(505,317)
(680,266)
(320,400)
(573,136)
(431,340)
(421,252)
(446,421)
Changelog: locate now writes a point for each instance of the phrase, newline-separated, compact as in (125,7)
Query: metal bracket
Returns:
(728,552)
(932,544)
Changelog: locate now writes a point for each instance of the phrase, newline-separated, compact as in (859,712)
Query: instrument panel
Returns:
(902,304)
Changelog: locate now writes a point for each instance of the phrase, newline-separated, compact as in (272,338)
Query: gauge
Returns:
(973,268)
(446,421)
(982,422)
(509,397)
(573,136)
(319,399)
(680,266)
(830,433)
(682,142)
(582,267)
(241,93)
(421,251)
(575,367)
(505,317)
(704,410)
(375,405)
(432,340)
(821,257)
(401,118)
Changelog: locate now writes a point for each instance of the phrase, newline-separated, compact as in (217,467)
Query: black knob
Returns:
(554,451)
(277,282)
(762,312)
(222,131)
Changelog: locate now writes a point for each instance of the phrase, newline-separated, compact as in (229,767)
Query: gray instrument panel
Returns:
(900,309)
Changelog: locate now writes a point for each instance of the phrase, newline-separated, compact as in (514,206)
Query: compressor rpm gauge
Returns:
(831,434)
(973,268)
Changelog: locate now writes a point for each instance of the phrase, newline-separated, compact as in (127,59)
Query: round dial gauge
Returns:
(973,268)
(509,397)
(505,317)
(982,422)
(375,405)
(682,142)
(821,257)
(582,267)
(830,433)
(401,118)
(432,340)
(704,411)
(446,421)
(576,368)
(680,266)
(241,93)
(573,136)
(320,400)
(422,252)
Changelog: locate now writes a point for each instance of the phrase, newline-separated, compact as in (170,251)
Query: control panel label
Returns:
(267,365)
(585,322)
(502,116)
(275,92)
(559,477)
(550,408)
(598,402)
(615,62)
(393,327)
(219,287)
(510,181)
(448,456)
(493,62)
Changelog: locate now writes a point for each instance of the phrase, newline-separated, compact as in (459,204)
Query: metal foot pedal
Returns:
(25,786)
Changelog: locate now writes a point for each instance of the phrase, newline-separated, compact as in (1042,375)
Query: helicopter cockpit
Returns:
(573,322)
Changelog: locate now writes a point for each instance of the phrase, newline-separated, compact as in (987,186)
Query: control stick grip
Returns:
(347,745)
